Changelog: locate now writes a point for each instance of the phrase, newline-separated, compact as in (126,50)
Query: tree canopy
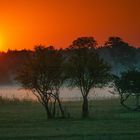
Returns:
(85,69)
(42,74)
(128,85)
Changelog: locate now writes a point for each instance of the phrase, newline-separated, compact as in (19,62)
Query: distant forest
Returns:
(118,53)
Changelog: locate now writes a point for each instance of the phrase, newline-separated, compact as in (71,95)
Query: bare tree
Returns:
(43,75)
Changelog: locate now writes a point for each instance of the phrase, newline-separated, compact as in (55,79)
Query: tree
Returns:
(121,53)
(10,62)
(127,85)
(43,75)
(138,58)
(84,68)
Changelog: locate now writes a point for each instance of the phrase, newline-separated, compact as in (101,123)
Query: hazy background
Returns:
(11,61)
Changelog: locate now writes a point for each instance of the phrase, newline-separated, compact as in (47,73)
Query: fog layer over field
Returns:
(66,94)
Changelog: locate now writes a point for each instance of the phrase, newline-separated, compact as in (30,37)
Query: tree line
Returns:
(83,65)
(118,53)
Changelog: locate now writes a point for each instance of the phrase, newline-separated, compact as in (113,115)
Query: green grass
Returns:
(26,120)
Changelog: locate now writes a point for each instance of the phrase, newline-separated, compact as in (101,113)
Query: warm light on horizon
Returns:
(26,23)
(2,48)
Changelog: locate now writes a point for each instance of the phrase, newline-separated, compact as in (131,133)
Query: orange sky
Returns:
(26,23)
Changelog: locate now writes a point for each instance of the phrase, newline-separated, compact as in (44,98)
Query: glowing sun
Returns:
(1,44)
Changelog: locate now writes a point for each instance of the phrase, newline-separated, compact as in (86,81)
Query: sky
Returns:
(27,23)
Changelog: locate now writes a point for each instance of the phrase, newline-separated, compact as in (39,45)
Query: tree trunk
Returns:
(85,111)
(124,105)
(54,108)
(122,102)
(137,101)
(60,107)
(49,114)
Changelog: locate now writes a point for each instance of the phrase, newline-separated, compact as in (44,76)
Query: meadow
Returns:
(26,120)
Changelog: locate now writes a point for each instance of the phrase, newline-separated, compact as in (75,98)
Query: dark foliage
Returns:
(85,69)
(43,75)
(127,85)
(119,54)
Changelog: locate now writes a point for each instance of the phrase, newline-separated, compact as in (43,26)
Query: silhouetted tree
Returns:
(43,75)
(138,58)
(10,62)
(121,53)
(85,69)
(128,84)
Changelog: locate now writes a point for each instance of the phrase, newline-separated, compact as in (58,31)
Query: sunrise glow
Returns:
(26,23)
(70,69)
(2,44)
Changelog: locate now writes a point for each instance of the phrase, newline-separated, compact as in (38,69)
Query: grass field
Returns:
(109,121)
